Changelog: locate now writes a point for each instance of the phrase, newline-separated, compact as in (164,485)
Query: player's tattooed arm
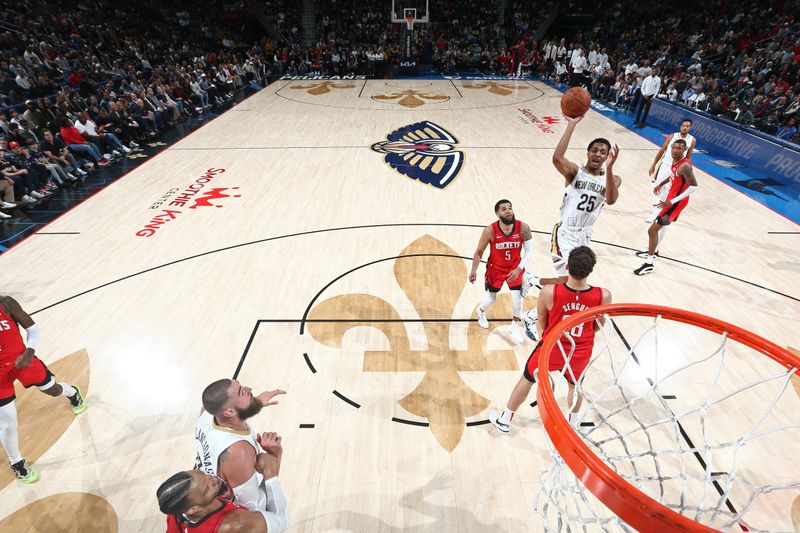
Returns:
(687,172)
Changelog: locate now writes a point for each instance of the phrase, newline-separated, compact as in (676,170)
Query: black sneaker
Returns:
(646,268)
(24,473)
(643,254)
(76,401)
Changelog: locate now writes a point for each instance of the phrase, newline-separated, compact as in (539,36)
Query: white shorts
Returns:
(562,241)
(664,172)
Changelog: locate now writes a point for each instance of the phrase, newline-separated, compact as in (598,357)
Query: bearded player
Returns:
(18,362)
(588,189)
(226,445)
(201,503)
(506,238)
(682,184)
(557,302)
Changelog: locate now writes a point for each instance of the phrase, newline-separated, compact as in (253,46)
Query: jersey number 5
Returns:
(586,203)
(508,255)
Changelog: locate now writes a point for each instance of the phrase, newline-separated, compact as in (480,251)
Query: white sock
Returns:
(67,389)
(8,432)
(516,303)
(650,259)
(661,233)
(506,416)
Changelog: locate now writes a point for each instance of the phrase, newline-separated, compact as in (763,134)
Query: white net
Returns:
(702,424)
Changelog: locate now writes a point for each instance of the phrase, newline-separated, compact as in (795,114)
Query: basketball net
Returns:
(682,429)
(410,21)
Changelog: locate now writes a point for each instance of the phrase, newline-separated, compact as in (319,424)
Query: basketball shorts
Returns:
(668,215)
(664,172)
(577,364)
(495,279)
(563,241)
(36,375)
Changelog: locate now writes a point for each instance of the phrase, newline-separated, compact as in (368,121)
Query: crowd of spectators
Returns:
(735,60)
(78,91)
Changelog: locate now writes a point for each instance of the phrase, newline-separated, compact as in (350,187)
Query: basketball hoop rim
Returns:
(631,505)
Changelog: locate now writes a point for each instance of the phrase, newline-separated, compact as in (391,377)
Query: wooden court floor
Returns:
(277,244)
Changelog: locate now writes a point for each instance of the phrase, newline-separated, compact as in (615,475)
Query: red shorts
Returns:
(670,214)
(496,278)
(36,375)
(556,362)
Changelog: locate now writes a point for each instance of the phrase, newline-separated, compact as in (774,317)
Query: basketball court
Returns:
(298,242)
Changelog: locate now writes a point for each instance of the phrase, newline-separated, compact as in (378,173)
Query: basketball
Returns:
(575,102)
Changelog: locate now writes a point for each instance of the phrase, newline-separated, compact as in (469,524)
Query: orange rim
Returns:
(626,501)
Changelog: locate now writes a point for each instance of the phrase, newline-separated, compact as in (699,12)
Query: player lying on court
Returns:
(682,183)
(227,446)
(18,362)
(506,239)
(557,302)
(198,502)
(588,189)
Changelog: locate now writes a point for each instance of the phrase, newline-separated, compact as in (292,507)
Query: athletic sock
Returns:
(650,259)
(67,390)
(506,416)
(9,437)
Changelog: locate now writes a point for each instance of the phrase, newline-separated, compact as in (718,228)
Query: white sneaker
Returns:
(106,156)
(502,427)
(28,200)
(81,172)
(133,144)
(529,281)
(126,149)
(116,153)
(482,322)
(7,205)
(89,165)
(37,195)
(530,318)
(4,215)
(515,333)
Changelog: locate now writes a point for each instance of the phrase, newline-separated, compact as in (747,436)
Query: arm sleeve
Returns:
(33,335)
(528,246)
(689,190)
(249,493)
(277,513)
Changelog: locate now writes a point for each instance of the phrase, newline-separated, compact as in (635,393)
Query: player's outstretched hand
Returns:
(612,156)
(270,443)
(266,397)
(574,120)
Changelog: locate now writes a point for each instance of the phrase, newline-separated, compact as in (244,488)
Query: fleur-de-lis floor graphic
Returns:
(495,87)
(433,277)
(323,87)
(410,98)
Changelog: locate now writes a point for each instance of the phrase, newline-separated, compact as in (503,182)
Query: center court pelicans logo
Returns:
(432,276)
(424,152)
